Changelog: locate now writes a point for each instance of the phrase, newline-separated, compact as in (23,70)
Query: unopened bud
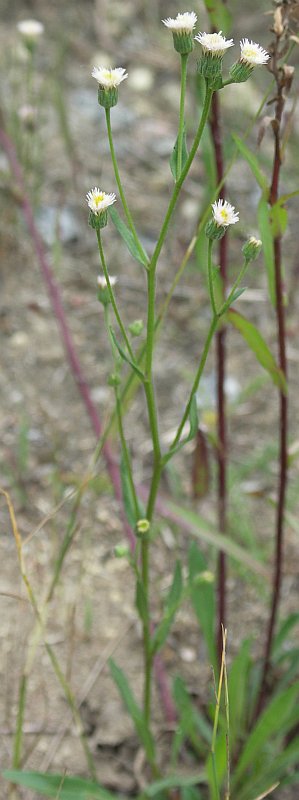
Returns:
(251,249)
(143,526)
(136,327)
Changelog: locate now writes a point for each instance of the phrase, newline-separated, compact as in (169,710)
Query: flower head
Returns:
(30,29)
(99,201)
(102,283)
(109,78)
(252,53)
(224,213)
(183,23)
(214,43)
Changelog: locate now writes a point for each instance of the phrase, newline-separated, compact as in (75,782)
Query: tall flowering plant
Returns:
(250,756)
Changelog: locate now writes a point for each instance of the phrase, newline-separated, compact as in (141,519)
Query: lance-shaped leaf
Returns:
(172,603)
(137,252)
(266,234)
(193,420)
(124,355)
(174,156)
(252,161)
(259,347)
(59,786)
(133,709)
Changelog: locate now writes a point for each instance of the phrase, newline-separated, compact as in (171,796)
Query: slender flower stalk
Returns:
(184,60)
(120,187)
(112,297)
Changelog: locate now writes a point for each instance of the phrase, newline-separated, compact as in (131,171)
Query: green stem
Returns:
(126,455)
(184,59)
(228,301)
(20,719)
(183,175)
(112,297)
(210,278)
(120,188)
(212,329)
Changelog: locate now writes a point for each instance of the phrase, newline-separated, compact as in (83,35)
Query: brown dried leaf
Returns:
(278,23)
(265,122)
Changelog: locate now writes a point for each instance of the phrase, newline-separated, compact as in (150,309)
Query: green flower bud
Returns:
(251,249)
(142,526)
(136,327)
(240,72)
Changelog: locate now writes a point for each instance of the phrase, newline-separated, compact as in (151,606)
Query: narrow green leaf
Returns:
(174,156)
(59,786)
(173,782)
(141,604)
(269,724)
(219,15)
(237,692)
(252,161)
(202,593)
(172,603)
(263,213)
(258,346)
(278,219)
(133,709)
(273,769)
(127,494)
(285,197)
(193,421)
(282,634)
(128,238)
(203,530)
(192,724)
(236,295)
(124,356)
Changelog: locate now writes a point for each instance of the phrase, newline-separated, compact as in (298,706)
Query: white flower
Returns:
(214,43)
(224,214)
(30,28)
(183,23)
(99,201)
(109,78)
(102,283)
(252,53)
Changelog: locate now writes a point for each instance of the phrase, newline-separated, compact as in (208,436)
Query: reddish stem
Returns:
(283,400)
(215,127)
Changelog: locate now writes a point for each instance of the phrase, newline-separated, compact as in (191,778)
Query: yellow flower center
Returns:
(99,198)
(249,52)
(224,214)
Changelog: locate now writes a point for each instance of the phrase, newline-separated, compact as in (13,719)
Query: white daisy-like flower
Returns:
(109,78)
(99,201)
(102,283)
(183,23)
(30,28)
(214,43)
(252,53)
(224,213)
